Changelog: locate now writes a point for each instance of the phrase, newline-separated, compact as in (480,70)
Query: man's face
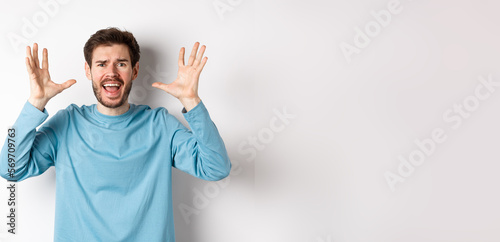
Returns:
(111,74)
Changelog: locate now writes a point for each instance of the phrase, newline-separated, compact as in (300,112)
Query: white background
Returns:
(322,175)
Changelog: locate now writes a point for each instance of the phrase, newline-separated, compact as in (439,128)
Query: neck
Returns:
(113,111)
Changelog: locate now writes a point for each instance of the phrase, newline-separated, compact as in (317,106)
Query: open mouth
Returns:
(112,89)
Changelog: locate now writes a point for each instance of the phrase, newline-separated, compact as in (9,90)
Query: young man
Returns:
(114,159)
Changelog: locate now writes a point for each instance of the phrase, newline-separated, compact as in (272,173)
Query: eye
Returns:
(121,64)
(100,65)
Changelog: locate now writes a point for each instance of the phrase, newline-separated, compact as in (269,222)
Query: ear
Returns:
(135,71)
(87,71)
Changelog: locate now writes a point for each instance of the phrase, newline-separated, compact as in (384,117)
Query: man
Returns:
(114,159)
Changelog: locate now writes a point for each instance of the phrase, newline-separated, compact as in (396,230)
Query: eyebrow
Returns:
(119,60)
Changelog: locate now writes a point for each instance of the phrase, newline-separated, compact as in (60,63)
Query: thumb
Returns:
(161,86)
(67,84)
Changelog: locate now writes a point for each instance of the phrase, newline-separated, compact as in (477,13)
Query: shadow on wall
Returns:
(142,92)
(152,69)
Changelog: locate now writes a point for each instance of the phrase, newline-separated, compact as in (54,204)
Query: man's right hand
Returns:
(41,86)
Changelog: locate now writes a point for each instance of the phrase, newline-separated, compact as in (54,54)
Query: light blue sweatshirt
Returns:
(114,173)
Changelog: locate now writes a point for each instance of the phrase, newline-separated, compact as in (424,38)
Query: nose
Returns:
(111,71)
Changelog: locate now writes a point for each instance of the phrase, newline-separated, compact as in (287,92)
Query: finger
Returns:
(193,53)
(67,84)
(200,56)
(45,59)
(29,56)
(28,66)
(203,62)
(28,51)
(181,56)
(35,55)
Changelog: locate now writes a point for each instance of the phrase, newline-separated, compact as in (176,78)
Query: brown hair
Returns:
(111,36)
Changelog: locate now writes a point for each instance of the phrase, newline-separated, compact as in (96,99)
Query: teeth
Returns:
(112,85)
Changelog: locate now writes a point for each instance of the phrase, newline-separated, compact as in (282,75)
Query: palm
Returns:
(41,85)
(186,83)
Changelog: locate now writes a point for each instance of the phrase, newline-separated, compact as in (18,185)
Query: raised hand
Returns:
(185,86)
(42,88)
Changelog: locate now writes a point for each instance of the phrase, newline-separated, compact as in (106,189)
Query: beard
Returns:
(124,98)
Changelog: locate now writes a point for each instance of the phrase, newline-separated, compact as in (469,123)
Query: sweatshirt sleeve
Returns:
(27,152)
(200,152)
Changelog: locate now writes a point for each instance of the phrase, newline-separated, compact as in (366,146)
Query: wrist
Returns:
(38,103)
(190,103)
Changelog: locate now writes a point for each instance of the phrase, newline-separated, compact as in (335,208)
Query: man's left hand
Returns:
(185,86)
